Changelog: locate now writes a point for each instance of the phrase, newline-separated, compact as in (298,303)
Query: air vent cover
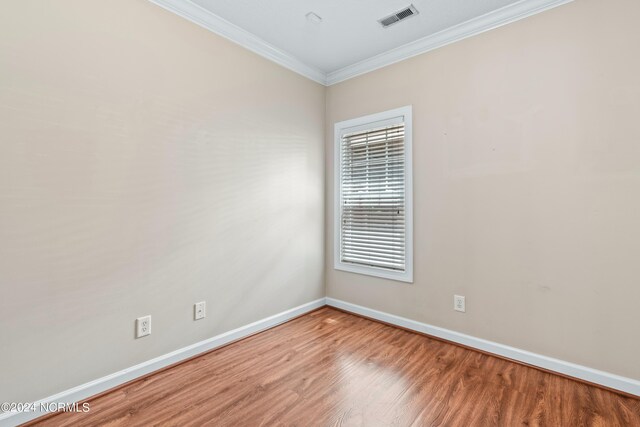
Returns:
(405,13)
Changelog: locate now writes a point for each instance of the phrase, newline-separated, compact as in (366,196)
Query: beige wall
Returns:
(145,164)
(526,184)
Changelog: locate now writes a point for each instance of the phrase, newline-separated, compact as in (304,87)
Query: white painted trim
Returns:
(397,115)
(606,379)
(100,385)
(226,29)
(486,22)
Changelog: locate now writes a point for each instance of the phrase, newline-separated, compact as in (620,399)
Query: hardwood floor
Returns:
(330,368)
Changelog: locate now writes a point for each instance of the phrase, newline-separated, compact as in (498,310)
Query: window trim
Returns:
(362,123)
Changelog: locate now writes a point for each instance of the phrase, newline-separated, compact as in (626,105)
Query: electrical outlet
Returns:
(143,326)
(459,303)
(199,310)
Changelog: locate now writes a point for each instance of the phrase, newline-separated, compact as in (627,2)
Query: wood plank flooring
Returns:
(330,368)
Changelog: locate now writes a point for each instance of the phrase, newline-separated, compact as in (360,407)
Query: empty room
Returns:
(320,213)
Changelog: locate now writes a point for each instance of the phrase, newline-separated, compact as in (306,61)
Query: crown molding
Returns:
(226,29)
(486,22)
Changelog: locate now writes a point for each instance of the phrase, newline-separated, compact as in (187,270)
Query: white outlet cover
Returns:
(459,303)
(143,326)
(199,310)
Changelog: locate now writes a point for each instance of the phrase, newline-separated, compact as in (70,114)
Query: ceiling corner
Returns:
(494,19)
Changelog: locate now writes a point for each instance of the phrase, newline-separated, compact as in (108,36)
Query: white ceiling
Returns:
(349,31)
(349,41)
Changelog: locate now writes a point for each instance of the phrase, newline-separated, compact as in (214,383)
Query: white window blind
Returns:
(372,235)
(373,219)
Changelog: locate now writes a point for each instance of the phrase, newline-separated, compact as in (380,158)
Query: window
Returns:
(373,195)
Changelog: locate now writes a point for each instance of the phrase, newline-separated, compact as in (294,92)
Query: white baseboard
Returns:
(595,376)
(100,385)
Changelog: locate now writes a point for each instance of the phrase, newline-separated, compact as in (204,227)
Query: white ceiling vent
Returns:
(405,13)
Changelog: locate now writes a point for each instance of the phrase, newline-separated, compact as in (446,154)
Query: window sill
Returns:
(400,276)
